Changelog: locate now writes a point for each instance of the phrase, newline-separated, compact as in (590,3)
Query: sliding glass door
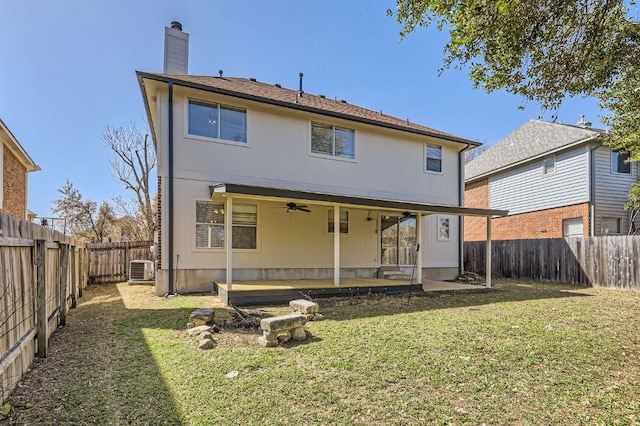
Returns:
(398,240)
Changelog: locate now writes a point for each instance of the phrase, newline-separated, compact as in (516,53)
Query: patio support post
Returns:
(419,247)
(487,262)
(336,245)
(228,238)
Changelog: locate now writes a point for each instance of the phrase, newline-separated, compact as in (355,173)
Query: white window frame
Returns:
(330,221)
(426,158)
(440,225)
(615,172)
(217,105)
(223,247)
(333,155)
(566,224)
(618,219)
(196,223)
(545,165)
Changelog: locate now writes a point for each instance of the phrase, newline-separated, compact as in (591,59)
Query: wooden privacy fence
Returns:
(42,277)
(109,262)
(611,262)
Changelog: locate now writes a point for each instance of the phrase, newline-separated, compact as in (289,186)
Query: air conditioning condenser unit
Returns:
(140,270)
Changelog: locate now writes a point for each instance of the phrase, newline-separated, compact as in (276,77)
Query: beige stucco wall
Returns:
(388,164)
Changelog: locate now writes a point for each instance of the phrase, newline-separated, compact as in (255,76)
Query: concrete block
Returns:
(304,306)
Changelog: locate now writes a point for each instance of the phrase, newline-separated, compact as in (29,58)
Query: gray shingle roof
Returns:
(271,93)
(532,139)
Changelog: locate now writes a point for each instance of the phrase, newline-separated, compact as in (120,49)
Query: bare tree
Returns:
(85,218)
(474,153)
(133,159)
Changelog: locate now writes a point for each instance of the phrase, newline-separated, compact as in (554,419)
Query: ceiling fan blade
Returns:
(302,209)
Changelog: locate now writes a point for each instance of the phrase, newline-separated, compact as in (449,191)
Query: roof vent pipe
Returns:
(301,91)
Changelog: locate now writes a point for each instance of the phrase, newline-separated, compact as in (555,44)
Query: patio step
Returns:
(395,275)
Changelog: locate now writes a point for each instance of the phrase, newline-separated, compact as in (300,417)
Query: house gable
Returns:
(533,140)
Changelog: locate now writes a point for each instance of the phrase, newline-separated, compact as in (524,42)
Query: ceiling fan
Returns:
(291,206)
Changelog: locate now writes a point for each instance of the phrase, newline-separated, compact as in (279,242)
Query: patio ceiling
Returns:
(372,203)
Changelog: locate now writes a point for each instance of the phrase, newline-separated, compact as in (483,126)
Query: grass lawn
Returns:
(525,353)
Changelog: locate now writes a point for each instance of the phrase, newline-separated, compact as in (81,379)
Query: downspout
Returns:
(461,204)
(170,190)
(592,190)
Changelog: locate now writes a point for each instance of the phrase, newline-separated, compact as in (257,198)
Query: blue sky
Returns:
(68,71)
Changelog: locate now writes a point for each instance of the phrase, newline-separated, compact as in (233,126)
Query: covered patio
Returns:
(242,291)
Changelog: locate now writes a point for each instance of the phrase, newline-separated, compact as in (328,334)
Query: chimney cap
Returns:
(176,25)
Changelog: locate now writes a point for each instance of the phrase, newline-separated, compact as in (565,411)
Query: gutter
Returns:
(451,138)
(461,189)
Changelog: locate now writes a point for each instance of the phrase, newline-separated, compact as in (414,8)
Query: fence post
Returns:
(82,253)
(74,286)
(64,281)
(126,255)
(41,284)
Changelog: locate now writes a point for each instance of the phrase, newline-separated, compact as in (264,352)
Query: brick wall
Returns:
(14,185)
(538,224)
(476,194)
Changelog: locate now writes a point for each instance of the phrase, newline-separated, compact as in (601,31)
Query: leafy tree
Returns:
(545,50)
(85,217)
(633,205)
(542,50)
(623,100)
(133,159)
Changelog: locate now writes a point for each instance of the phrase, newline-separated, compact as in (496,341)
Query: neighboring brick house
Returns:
(556,180)
(15,164)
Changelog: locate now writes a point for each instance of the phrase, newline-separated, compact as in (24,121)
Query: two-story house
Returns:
(556,180)
(260,182)
(15,165)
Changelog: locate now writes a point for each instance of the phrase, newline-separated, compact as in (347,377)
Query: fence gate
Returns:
(109,262)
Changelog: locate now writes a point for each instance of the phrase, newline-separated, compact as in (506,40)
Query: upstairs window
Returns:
(333,140)
(549,165)
(620,162)
(217,121)
(434,158)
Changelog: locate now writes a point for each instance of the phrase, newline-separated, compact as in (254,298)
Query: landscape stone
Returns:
(304,306)
(194,331)
(317,317)
(202,316)
(284,322)
(205,335)
(206,344)
(267,343)
(299,334)
(284,336)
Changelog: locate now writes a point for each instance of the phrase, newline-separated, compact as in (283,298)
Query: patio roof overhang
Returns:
(372,203)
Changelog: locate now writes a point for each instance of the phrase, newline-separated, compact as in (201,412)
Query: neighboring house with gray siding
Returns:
(556,180)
